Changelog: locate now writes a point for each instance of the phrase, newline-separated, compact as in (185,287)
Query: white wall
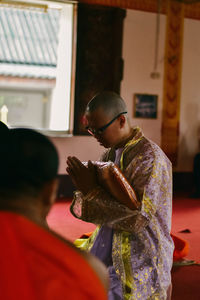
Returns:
(138,55)
(190,96)
(83,147)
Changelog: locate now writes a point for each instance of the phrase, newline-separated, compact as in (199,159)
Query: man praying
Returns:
(135,245)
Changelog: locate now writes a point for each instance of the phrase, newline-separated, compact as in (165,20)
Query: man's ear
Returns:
(49,192)
(122,121)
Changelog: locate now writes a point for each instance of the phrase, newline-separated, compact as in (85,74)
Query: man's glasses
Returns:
(100,130)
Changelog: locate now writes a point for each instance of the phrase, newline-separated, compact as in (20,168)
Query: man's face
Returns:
(108,137)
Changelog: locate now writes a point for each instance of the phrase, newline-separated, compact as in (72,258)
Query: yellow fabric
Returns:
(130,143)
(86,244)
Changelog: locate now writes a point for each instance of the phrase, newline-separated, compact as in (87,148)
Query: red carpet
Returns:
(186,216)
(61,221)
(186,280)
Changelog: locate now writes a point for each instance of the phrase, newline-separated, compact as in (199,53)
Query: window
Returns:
(36,64)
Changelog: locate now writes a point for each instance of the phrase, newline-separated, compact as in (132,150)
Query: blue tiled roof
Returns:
(28,37)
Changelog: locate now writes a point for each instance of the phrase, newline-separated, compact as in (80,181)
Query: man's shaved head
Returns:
(111,103)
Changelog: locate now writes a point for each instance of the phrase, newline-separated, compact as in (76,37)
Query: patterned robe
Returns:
(141,245)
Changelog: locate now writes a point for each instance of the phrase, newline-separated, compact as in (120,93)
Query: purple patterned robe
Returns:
(135,244)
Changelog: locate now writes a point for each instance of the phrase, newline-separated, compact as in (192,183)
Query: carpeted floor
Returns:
(186,215)
(186,212)
(61,221)
(186,280)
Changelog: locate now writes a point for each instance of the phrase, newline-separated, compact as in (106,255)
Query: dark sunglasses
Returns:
(100,130)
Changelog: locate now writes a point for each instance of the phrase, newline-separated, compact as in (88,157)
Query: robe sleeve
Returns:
(99,207)
(150,177)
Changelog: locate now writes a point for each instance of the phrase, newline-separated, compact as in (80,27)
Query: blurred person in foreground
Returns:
(135,244)
(35,262)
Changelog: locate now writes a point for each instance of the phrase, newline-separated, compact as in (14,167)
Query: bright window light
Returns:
(36,64)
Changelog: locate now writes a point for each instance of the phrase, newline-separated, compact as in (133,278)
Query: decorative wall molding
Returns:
(172,80)
(144,5)
(191,11)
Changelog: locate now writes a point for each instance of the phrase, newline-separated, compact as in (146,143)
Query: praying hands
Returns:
(84,178)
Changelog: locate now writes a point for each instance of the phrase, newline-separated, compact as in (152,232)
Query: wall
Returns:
(84,147)
(190,96)
(138,54)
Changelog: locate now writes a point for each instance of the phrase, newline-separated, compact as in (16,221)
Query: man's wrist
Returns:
(86,190)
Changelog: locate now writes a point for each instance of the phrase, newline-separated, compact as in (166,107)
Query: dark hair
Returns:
(28,160)
(111,103)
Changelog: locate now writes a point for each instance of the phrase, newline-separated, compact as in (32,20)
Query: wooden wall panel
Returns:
(172,80)
(99,64)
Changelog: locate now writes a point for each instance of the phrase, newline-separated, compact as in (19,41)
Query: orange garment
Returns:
(35,265)
(181,248)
